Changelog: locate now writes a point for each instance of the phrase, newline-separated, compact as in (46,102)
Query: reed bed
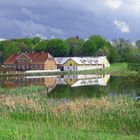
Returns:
(27,114)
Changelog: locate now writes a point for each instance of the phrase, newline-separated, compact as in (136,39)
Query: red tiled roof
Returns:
(11,59)
(35,57)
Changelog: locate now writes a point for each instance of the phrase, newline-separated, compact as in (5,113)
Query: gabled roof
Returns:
(34,57)
(81,60)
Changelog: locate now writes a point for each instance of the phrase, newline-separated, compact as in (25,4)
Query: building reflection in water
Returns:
(14,82)
(84,80)
(51,81)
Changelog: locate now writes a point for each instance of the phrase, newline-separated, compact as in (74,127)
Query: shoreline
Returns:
(115,69)
(103,72)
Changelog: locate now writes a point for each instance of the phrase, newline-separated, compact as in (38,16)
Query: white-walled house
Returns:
(82,63)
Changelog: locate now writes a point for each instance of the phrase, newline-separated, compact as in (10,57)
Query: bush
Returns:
(134,67)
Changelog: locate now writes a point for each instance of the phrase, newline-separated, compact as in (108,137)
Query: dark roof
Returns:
(35,57)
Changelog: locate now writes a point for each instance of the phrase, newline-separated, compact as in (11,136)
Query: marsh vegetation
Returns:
(31,116)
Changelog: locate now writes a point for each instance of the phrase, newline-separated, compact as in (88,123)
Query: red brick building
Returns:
(31,61)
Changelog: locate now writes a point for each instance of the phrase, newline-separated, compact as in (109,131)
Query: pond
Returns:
(74,86)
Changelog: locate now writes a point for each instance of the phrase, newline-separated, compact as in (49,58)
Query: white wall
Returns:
(70,68)
(89,67)
(107,65)
(74,68)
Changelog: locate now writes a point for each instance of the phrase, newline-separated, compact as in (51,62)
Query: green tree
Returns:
(75,45)
(36,40)
(10,49)
(114,55)
(124,48)
(134,55)
(92,45)
(41,46)
(138,43)
(103,52)
(23,47)
(26,41)
(57,47)
(1,52)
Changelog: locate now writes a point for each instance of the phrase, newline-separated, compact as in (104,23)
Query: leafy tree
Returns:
(28,42)
(36,40)
(94,43)
(10,49)
(134,59)
(41,46)
(120,50)
(124,49)
(57,47)
(1,52)
(103,52)
(138,43)
(23,47)
(134,55)
(114,55)
(75,45)
(121,43)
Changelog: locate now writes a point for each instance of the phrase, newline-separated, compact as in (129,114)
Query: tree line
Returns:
(119,50)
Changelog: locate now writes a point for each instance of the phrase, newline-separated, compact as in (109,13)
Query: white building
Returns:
(82,63)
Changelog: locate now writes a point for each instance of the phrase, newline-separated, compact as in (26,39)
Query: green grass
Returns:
(117,66)
(34,116)
(34,131)
(115,69)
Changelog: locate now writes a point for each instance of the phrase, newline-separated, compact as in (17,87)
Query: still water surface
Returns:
(72,86)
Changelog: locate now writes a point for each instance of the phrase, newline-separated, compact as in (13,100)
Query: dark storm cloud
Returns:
(65,18)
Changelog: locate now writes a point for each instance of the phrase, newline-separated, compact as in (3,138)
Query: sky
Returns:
(111,19)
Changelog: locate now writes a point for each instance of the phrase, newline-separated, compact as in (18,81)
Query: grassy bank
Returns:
(28,114)
(117,67)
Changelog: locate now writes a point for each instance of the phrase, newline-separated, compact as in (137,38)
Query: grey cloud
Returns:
(29,13)
(65,18)
(27,28)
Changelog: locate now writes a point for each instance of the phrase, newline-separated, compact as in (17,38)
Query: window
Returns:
(14,66)
(41,67)
(36,66)
(23,67)
(27,67)
(32,67)
(19,61)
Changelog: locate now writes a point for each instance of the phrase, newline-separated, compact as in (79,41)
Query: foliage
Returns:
(94,43)
(75,45)
(138,43)
(114,55)
(119,50)
(57,47)
(10,49)
(134,67)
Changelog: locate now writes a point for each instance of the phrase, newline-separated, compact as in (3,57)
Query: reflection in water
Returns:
(84,80)
(78,85)
(51,81)
(14,82)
